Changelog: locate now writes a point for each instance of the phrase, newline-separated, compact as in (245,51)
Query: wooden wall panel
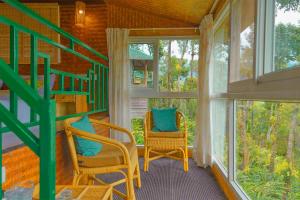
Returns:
(48,11)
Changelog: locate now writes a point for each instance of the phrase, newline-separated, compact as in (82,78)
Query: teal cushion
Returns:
(164,120)
(86,147)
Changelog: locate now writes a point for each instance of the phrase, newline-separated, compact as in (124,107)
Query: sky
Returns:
(292,17)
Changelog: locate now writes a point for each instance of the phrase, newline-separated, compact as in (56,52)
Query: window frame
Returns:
(266,83)
(221,96)
(140,92)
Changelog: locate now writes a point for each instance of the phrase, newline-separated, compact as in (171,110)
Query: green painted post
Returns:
(103,88)
(72,83)
(62,83)
(106,89)
(47,149)
(88,87)
(33,70)
(47,70)
(72,45)
(93,86)
(98,88)
(14,56)
(80,85)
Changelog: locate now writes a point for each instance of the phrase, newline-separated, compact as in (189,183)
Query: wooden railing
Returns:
(43,108)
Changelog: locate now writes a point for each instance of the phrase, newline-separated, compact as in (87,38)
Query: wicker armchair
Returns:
(114,157)
(165,144)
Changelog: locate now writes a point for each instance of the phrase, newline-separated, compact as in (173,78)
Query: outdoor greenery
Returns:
(268,133)
(268,149)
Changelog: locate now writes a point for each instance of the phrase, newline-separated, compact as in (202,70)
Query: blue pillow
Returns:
(164,120)
(86,147)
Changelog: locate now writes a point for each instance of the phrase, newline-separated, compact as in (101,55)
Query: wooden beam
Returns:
(165,32)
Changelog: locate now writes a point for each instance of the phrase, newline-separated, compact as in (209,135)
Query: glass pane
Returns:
(178,65)
(141,64)
(268,149)
(243,40)
(139,106)
(220,57)
(219,131)
(287,34)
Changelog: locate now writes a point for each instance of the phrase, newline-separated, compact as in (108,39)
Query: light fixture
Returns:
(79,12)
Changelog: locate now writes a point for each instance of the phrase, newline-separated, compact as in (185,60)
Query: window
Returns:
(255,121)
(141,64)
(219,74)
(219,131)
(268,149)
(220,57)
(141,105)
(243,32)
(287,34)
(178,63)
(172,75)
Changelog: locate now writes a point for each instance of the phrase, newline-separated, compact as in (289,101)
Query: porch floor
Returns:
(166,180)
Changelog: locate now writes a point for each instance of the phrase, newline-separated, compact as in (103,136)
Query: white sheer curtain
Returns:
(117,42)
(202,145)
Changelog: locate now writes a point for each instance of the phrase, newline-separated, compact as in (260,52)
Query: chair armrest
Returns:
(184,124)
(100,139)
(115,127)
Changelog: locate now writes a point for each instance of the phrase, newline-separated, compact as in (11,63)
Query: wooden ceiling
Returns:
(190,11)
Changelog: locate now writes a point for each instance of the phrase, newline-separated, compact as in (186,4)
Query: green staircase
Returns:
(94,85)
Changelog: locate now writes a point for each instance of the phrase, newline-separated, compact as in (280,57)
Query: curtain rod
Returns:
(173,28)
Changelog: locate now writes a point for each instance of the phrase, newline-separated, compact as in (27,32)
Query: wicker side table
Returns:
(86,192)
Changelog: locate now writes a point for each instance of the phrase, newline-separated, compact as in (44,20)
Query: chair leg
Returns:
(130,188)
(145,158)
(76,179)
(90,180)
(138,174)
(186,160)
(148,158)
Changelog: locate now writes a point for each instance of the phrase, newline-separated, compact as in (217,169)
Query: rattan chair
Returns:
(165,144)
(114,157)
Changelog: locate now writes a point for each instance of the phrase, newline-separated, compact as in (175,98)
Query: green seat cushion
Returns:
(86,147)
(164,120)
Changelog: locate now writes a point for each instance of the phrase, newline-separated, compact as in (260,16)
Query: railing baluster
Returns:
(72,45)
(103,88)
(89,87)
(93,86)
(106,89)
(72,83)
(47,70)
(33,70)
(80,85)
(62,83)
(14,63)
(98,87)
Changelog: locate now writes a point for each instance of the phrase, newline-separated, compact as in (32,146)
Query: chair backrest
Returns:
(71,142)
(149,123)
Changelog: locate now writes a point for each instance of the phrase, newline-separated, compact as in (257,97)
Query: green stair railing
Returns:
(94,85)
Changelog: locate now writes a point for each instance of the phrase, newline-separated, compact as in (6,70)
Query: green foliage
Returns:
(138,130)
(268,149)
